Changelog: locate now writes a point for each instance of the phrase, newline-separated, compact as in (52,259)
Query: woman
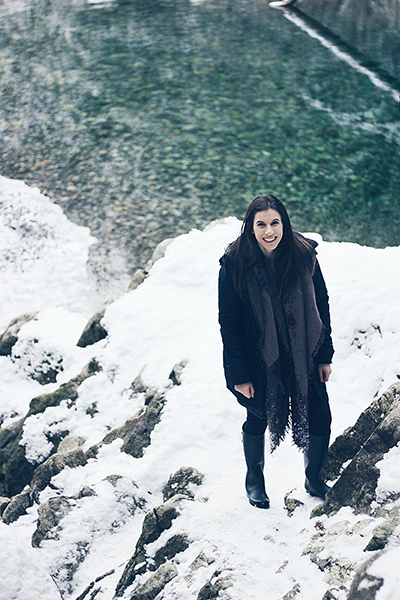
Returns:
(277,346)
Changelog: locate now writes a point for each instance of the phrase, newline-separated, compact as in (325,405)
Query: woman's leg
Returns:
(253,446)
(320,428)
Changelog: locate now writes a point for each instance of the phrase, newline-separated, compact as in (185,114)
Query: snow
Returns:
(170,317)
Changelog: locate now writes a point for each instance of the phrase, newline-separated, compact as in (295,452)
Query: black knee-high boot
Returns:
(314,459)
(253,446)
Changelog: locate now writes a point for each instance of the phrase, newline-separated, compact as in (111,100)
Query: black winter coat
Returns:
(240,336)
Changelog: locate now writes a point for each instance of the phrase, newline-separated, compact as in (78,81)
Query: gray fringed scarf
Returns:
(291,332)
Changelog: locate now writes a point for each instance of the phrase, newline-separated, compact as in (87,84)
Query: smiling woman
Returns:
(268,230)
(277,346)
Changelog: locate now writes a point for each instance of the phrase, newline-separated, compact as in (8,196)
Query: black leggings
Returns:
(319,414)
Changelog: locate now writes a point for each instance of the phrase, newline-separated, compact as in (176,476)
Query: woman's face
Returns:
(268,229)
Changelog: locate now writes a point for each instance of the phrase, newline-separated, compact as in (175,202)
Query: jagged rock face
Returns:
(15,470)
(179,483)
(50,515)
(357,483)
(94,331)
(10,337)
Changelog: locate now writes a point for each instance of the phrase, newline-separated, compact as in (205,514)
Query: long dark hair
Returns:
(292,256)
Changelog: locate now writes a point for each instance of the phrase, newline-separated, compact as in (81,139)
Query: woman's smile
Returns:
(268,229)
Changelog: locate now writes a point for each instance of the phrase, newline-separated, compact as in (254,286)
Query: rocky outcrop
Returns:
(156,582)
(374,434)
(17,507)
(218,583)
(155,522)
(15,470)
(136,432)
(67,391)
(181,483)
(94,331)
(54,465)
(346,446)
(51,513)
(365,586)
(10,337)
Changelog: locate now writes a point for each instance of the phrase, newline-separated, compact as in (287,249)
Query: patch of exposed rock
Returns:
(10,337)
(376,431)
(94,331)
(136,432)
(15,470)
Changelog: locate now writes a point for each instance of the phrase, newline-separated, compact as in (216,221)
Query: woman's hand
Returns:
(246,389)
(324,372)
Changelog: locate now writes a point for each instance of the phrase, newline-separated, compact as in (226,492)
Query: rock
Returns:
(136,432)
(181,480)
(93,331)
(346,446)
(337,570)
(382,532)
(92,584)
(67,391)
(156,521)
(71,442)
(291,504)
(291,594)
(365,586)
(214,586)
(54,465)
(10,337)
(17,507)
(4,502)
(357,483)
(138,277)
(15,471)
(156,582)
(50,515)
(176,373)
(176,544)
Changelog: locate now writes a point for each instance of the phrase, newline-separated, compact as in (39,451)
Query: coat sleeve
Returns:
(325,353)
(231,320)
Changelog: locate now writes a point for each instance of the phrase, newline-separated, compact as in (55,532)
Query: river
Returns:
(144,119)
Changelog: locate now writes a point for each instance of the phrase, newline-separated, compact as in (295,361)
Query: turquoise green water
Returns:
(148,118)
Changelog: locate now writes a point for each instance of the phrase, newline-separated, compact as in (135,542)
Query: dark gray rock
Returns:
(10,337)
(94,331)
(176,373)
(67,391)
(180,482)
(17,507)
(156,521)
(291,594)
(346,446)
(50,515)
(214,586)
(383,531)
(4,502)
(176,544)
(136,432)
(357,483)
(54,465)
(365,586)
(156,582)
(15,471)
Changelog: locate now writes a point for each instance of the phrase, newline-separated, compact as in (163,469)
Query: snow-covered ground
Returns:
(172,316)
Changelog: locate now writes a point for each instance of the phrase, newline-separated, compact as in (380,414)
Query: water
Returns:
(144,119)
